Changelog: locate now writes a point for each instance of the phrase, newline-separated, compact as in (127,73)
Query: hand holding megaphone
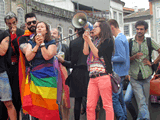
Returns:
(86,36)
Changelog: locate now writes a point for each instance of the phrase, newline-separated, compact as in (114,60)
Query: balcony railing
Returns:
(41,7)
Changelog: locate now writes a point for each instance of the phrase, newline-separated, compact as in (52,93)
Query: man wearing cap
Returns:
(5,89)
(11,21)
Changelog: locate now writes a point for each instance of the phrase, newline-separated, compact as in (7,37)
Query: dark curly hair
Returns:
(144,23)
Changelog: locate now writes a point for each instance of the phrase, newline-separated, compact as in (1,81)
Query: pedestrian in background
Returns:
(141,68)
(121,64)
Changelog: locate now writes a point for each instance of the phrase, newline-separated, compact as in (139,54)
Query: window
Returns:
(115,15)
(158,35)
(126,30)
(133,29)
(20,15)
(2,14)
(158,12)
(71,31)
(60,29)
(120,19)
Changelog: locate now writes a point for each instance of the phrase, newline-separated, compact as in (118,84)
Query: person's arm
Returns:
(30,53)
(156,47)
(23,47)
(85,48)
(120,55)
(87,38)
(4,46)
(23,44)
(50,52)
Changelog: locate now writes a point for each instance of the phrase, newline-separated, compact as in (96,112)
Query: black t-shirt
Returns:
(3,34)
(22,40)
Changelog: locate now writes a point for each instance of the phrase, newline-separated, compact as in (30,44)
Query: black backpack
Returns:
(150,48)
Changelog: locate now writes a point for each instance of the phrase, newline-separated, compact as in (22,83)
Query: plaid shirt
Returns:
(136,65)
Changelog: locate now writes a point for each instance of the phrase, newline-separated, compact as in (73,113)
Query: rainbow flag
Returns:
(40,93)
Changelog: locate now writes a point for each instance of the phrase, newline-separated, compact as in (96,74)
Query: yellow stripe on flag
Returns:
(45,92)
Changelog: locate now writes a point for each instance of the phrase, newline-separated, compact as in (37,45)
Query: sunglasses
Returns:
(29,23)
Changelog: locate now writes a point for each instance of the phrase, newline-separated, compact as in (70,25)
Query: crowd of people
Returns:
(36,80)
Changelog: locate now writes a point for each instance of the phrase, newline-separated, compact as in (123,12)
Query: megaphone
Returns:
(79,20)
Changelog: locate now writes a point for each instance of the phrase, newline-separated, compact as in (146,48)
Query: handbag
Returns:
(155,85)
(115,80)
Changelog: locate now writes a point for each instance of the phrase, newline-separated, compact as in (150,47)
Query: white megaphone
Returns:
(79,20)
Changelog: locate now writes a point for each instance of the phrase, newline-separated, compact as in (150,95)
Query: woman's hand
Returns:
(86,36)
(39,39)
(60,59)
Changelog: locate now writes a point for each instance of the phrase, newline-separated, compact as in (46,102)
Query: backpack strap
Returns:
(149,44)
(130,46)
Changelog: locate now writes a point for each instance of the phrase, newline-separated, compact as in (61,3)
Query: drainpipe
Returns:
(150,8)
(10,5)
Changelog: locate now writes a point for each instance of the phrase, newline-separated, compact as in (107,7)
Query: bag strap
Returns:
(149,44)
(130,46)
(103,64)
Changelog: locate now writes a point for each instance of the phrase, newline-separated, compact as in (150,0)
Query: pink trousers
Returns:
(100,86)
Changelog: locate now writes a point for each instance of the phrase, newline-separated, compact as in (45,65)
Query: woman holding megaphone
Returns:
(99,65)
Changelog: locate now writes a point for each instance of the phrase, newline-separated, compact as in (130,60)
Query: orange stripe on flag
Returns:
(50,104)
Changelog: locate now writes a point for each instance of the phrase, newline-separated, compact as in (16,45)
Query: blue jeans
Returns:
(141,90)
(128,101)
(119,104)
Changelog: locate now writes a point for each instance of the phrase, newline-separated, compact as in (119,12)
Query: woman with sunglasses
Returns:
(41,83)
(99,64)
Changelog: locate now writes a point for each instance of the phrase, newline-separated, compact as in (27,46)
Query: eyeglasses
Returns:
(29,23)
(95,27)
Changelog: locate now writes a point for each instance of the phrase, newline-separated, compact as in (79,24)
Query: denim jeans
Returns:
(128,101)
(119,104)
(141,90)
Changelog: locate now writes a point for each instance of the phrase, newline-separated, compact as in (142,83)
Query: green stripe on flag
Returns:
(44,82)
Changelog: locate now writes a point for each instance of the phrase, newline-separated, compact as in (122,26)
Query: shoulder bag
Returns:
(115,80)
(155,85)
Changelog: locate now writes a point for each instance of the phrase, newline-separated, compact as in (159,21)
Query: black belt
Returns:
(97,75)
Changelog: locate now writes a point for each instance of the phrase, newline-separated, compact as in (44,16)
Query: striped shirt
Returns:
(95,66)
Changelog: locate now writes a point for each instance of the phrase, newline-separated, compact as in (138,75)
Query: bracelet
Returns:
(42,44)
(33,51)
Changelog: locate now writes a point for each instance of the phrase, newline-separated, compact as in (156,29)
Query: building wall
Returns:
(132,29)
(156,20)
(118,9)
(98,4)
(64,4)
(56,22)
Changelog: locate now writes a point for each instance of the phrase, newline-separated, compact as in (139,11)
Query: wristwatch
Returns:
(42,44)
(152,63)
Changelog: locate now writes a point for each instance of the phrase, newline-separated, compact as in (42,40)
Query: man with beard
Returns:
(13,54)
(141,67)
(61,49)
(31,20)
